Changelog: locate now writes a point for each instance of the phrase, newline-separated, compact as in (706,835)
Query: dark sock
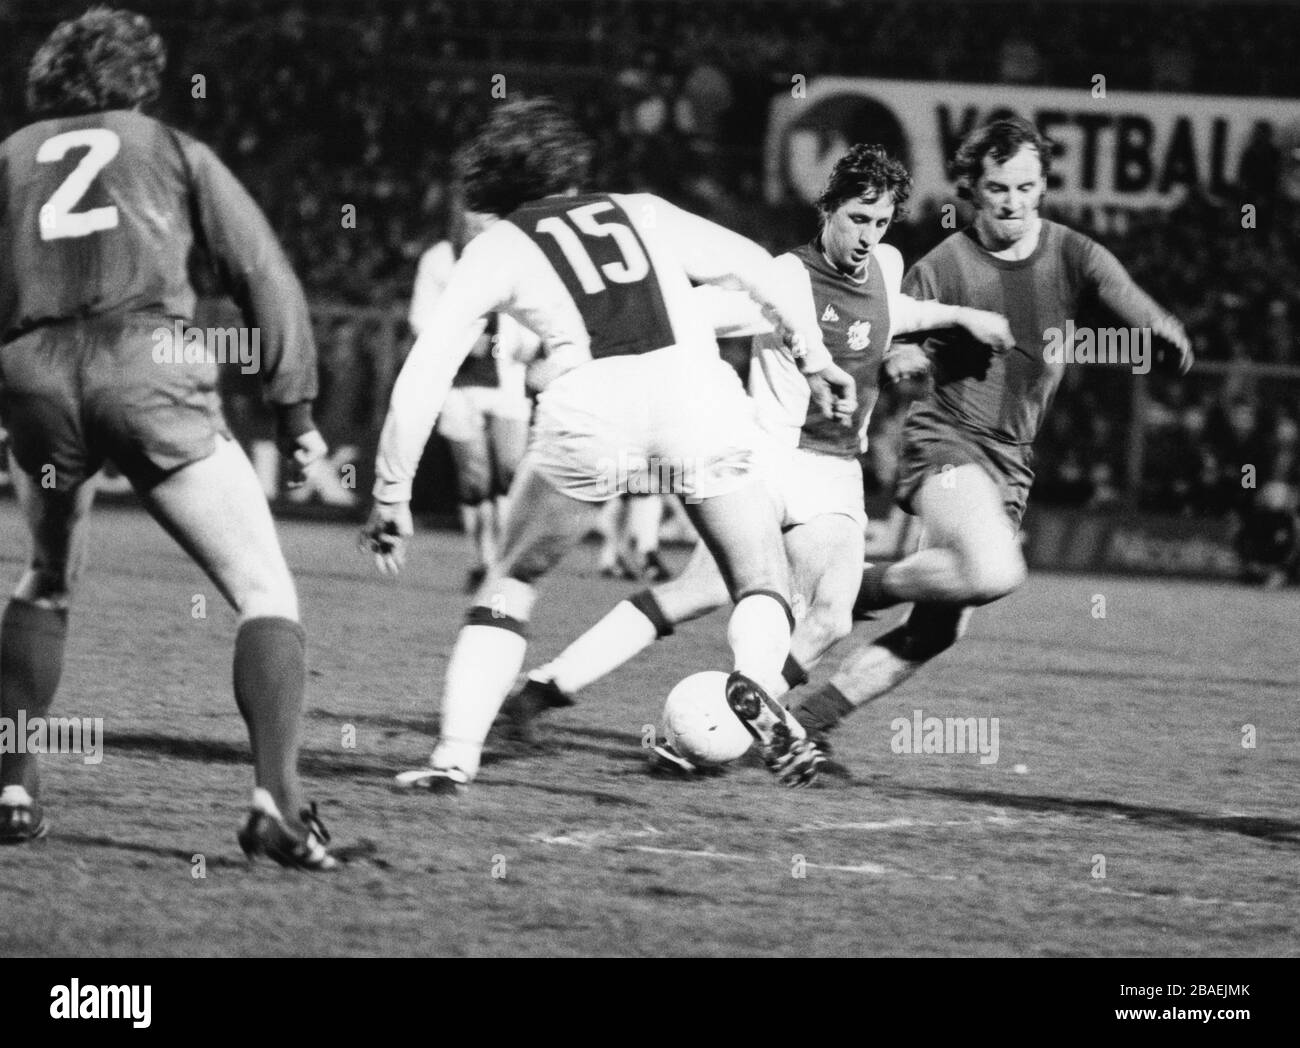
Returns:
(793,673)
(874,595)
(32,639)
(823,709)
(270,677)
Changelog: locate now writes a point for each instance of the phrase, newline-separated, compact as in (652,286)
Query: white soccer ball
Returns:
(700,725)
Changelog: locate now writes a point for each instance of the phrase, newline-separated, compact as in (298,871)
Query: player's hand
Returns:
(993,329)
(835,393)
(302,453)
(1169,329)
(906,361)
(385,535)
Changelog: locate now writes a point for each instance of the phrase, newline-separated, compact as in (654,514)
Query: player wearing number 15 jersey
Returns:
(100,207)
(636,383)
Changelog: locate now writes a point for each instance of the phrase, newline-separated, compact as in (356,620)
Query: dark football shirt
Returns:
(1004,395)
(98,216)
(854,320)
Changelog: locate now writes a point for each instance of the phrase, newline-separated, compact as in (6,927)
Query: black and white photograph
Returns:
(651,479)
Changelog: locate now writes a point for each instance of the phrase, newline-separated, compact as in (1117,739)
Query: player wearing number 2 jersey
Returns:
(100,207)
(635,382)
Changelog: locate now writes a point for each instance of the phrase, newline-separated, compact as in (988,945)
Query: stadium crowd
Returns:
(299,99)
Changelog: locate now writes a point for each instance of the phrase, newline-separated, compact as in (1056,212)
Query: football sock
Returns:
(488,656)
(759,635)
(32,641)
(874,595)
(612,641)
(823,708)
(270,678)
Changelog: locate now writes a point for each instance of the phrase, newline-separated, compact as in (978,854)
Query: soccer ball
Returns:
(700,725)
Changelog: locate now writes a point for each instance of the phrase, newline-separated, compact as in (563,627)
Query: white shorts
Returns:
(673,421)
(809,484)
(466,410)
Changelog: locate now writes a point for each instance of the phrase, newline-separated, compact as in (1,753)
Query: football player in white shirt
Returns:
(485,416)
(633,382)
(851,283)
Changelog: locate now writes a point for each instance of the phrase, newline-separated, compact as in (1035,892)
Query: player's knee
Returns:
(993,574)
(530,565)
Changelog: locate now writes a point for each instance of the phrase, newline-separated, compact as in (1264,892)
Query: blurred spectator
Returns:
(1268,539)
(1019,61)
(335,105)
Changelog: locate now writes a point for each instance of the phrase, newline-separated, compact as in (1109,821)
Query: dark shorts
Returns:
(75,394)
(932,443)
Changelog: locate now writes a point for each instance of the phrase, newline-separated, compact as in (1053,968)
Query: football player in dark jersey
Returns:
(100,206)
(964,466)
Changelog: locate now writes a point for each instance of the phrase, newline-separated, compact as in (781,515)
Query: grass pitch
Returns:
(1120,751)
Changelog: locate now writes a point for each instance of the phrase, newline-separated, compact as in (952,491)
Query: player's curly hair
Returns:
(1000,139)
(528,149)
(866,172)
(106,59)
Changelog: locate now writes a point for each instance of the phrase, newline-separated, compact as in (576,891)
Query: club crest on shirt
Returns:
(859,335)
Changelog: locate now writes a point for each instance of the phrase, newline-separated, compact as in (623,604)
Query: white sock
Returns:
(615,639)
(759,635)
(264,802)
(484,665)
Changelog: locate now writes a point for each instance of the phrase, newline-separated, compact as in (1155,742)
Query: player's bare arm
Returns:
(907,360)
(912,315)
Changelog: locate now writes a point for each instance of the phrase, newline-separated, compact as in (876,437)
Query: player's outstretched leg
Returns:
(627,630)
(32,637)
(542,526)
(971,556)
(740,530)
(214,508)
(822,553)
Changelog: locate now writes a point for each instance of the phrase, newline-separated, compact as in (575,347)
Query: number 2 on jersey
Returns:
(634,266)
(58,220)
